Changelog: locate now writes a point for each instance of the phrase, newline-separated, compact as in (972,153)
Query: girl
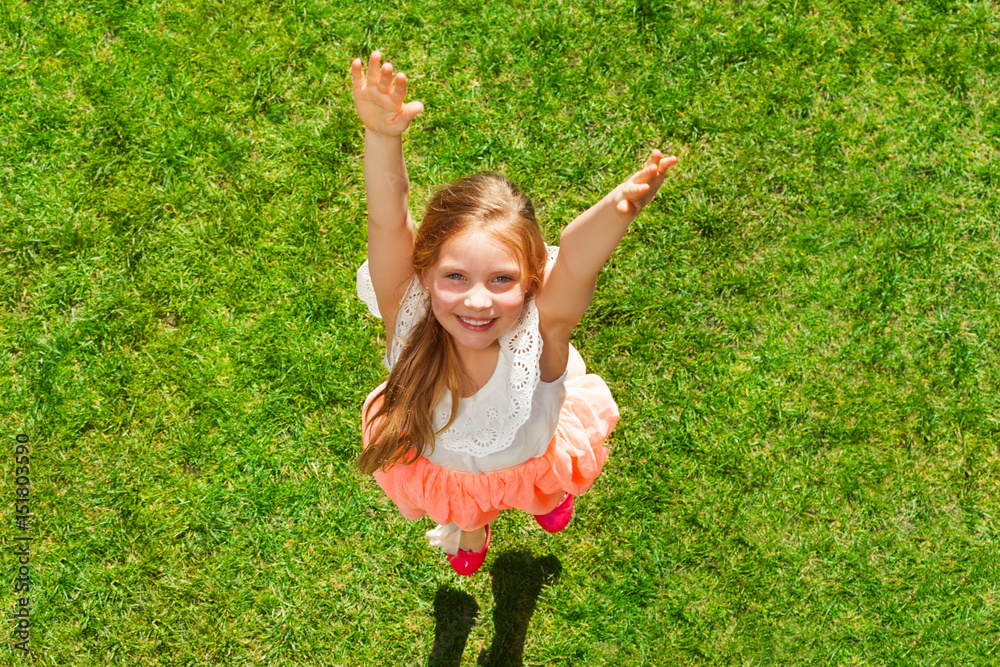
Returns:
(487,406)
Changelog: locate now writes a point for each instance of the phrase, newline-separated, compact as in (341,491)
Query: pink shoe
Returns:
(466,562)
(558,518)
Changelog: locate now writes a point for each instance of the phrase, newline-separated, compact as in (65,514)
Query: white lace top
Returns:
(512,417)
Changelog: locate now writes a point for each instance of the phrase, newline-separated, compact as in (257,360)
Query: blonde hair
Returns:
(429,364)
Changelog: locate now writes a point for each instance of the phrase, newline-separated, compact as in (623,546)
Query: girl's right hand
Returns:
(378,101)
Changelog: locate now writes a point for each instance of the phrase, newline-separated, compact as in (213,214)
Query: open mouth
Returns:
(475,324)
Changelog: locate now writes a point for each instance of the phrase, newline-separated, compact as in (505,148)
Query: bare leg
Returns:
(474,541)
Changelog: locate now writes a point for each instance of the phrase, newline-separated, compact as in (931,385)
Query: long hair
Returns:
(428,365)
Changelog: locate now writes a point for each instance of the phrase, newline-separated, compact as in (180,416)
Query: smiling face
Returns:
(477,289)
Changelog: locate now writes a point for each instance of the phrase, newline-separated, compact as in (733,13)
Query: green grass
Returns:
(801,332)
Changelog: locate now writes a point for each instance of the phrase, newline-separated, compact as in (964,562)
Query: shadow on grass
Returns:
(454,615)
(518,580)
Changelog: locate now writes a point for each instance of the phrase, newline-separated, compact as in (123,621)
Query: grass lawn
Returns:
(802,331)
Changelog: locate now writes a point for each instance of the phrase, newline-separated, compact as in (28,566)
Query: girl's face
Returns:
(477,289)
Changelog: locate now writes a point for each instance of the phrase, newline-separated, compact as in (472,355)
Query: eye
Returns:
(454,276)
(503,279)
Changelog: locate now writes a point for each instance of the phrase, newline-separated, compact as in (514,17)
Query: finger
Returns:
(654,157)
(410,110)
(646,174)
(625,207)
(385,79)
(357,77)
(634,191)
(374,68)
(399,91)
(666,163)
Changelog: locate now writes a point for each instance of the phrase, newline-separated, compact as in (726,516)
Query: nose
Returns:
(478,298)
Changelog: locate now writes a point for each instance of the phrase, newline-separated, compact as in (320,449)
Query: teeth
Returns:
(475,323)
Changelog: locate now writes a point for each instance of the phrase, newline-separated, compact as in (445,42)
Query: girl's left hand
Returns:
(641,187)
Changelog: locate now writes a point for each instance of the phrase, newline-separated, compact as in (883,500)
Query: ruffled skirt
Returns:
(573,460)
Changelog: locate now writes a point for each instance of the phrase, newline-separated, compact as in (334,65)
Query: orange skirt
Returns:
(571,463)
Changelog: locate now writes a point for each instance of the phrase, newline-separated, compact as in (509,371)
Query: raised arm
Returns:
(378,99)
(584,247)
